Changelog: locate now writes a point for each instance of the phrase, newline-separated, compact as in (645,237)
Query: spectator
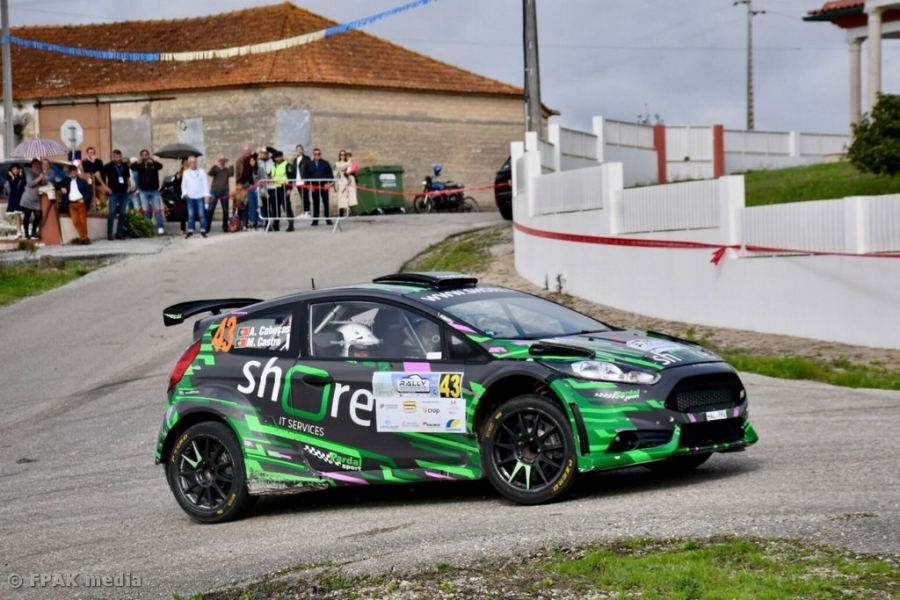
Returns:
(322,177)
(176,188)
(301,166)
(93,166)
(195,189)
(78,194)
(268,207)
(15,187)
(282,195)
(117,177)
(220,172)
(260,194)
(351,181)
(342,182)
(134,199)
(243,177)
(147,180)
(31,198)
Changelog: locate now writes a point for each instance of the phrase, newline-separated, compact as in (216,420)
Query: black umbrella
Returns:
(178,151)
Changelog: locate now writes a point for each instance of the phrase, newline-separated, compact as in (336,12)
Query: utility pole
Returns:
(7,82)
(533,107)
(750,14)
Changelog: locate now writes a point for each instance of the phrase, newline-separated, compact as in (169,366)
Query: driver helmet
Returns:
(356,339)
(437,169)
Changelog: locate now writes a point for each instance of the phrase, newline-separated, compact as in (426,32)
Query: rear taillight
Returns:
(187,357)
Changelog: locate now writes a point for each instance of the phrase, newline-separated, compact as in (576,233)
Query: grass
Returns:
(815,182)
(465,252)
(724,567)
(836,372)
(20,280)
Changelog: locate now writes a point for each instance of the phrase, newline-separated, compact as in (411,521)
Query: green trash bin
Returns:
(383,190)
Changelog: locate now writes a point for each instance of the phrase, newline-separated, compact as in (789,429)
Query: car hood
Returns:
(647,348)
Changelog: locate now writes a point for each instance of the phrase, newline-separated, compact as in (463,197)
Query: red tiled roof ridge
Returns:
(835,5)
(350,59)
(252,10)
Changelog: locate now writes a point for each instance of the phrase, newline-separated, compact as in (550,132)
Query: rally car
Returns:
(429,377)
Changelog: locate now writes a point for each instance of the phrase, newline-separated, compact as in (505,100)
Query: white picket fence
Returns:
(687,256)
(689,150)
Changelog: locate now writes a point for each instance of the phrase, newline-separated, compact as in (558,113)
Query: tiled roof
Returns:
(353,58)
(836,5)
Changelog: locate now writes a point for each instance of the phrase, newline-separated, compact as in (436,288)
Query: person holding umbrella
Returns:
(31,198)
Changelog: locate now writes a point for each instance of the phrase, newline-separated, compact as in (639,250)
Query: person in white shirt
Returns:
(195,191)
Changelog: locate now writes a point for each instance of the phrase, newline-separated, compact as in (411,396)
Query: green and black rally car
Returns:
(425,377)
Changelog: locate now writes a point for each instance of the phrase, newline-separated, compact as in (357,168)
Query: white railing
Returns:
(811,226)
(549,157)
(882,223)
(568,191)
(689,144)
(816,144)
(629,135)
(577,144)
(691,205)
(758,142)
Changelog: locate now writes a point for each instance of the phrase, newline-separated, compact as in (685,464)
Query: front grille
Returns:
(705,392)
(698,435)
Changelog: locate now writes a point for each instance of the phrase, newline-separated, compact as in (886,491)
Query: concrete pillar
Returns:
(855,80)
(659,143)
(718,159)
(874,56)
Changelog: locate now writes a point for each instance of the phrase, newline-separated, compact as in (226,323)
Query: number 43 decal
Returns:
(451,385)
(223,339)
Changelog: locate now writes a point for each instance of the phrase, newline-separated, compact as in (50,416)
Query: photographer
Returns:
(147,171)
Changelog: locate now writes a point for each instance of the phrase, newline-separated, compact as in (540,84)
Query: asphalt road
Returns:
(83,372)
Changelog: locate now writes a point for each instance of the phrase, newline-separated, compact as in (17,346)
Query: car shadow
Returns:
(600,485)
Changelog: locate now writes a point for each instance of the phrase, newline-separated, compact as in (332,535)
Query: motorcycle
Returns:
(440,196)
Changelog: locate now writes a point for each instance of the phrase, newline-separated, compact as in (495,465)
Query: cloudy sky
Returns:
(684,60)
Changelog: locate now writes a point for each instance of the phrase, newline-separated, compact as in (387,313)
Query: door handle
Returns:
(318,379)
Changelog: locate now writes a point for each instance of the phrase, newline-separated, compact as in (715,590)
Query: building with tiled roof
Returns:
(862,20)
(389,104)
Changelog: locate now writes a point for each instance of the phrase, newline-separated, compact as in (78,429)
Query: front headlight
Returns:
(606,371)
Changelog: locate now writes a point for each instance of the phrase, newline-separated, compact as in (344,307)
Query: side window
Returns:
(372,330)
(269,332)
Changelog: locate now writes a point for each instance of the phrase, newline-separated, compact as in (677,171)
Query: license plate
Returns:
(715,415)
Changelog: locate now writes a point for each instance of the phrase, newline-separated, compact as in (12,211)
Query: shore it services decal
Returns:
(419,402)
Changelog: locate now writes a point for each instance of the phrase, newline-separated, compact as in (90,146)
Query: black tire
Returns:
(379,211)
(469,205)
(679,464)
(423,204)
(402,210)
(506,211)
(207,476)
(528,451)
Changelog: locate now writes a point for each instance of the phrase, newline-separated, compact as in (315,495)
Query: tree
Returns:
(876,139)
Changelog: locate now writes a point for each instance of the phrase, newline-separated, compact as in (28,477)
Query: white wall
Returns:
(850,299)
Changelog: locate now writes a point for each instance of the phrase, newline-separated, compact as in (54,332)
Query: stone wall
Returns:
(468,135)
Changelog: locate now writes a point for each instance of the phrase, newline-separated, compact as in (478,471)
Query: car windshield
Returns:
(522,317)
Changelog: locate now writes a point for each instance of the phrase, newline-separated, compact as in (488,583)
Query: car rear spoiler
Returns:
(177,313)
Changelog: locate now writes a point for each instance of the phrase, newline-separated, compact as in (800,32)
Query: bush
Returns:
(136,226)
(876,139)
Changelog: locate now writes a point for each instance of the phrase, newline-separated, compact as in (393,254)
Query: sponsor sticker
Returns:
(419,402)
